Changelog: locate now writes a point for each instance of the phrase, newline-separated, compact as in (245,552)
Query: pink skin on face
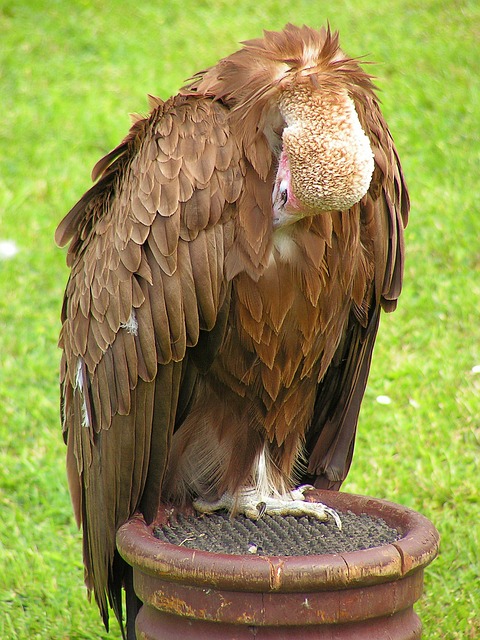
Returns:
(287,208)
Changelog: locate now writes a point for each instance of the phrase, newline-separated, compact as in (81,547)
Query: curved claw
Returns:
(335,516)
(261,508)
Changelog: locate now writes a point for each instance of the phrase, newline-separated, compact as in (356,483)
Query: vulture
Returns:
(227,274)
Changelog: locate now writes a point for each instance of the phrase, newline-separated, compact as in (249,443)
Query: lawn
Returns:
(70,72)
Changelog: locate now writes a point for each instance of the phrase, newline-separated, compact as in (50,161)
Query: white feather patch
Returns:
(131,326)
(80,387)
(265,484)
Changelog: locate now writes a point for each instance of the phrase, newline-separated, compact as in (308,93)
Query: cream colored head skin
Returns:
(326,162)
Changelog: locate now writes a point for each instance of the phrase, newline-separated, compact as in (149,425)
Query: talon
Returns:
(261,508)
(254,507)
(306,487)
(335,516)
(299,492)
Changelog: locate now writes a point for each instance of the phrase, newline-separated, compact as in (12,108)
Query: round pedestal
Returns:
(363,595)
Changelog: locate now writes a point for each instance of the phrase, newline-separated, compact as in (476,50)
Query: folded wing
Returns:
(147,249)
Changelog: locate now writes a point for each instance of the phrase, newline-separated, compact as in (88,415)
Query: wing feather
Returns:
(140,294)
(122,381)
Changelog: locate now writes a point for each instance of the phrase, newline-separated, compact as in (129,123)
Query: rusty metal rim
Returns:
(417,547)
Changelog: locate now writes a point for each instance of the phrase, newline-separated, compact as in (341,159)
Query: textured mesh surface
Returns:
(277,535)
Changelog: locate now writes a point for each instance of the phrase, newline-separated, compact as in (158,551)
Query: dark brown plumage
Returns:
(228,269)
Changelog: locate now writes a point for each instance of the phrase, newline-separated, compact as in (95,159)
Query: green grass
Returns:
(70,72)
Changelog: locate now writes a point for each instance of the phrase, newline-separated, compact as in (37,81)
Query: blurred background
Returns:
(70,73)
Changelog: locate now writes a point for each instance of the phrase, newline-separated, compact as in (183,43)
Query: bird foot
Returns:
(254,505)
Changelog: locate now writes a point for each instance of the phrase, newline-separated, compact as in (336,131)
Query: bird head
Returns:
(326,161)
(292,97)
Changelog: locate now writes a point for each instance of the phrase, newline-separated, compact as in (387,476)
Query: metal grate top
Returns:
(276,535)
